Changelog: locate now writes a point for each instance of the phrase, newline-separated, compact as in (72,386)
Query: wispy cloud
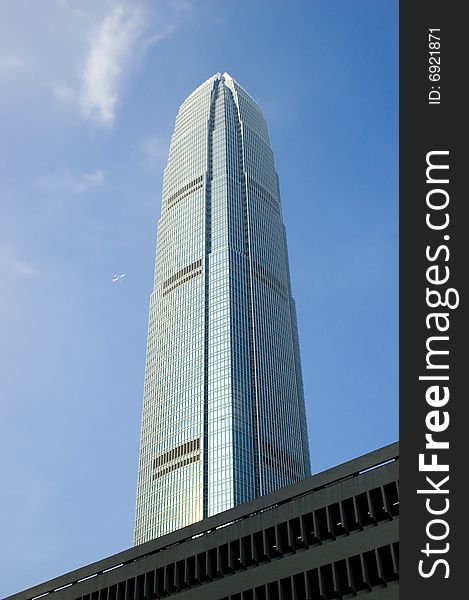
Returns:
(109,50)
(116,41)
(84,51)
(182,5)
(155,151)
(70,183)
(10,63)
(10,263)
(64,91)
(91,179)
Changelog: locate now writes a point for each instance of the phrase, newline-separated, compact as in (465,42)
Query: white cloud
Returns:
(182,5)
(84,51)
(109,50)
(10,263)
(63,91)
(66,182)
(91,179)
(10,63)
(155,151)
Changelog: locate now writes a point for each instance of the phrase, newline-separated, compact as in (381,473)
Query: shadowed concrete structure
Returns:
(333,535)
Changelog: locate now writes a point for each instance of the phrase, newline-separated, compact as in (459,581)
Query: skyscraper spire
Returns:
(223,412)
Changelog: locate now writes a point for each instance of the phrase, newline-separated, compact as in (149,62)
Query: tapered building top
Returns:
(223,412)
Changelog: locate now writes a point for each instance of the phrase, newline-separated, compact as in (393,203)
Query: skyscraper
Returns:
(223,411)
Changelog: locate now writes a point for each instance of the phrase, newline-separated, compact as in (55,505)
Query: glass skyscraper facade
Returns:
(223,411)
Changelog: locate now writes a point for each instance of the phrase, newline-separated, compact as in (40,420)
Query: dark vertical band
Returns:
(433,123)
(208,249)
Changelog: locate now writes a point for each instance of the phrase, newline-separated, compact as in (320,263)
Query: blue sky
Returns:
(89,91)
